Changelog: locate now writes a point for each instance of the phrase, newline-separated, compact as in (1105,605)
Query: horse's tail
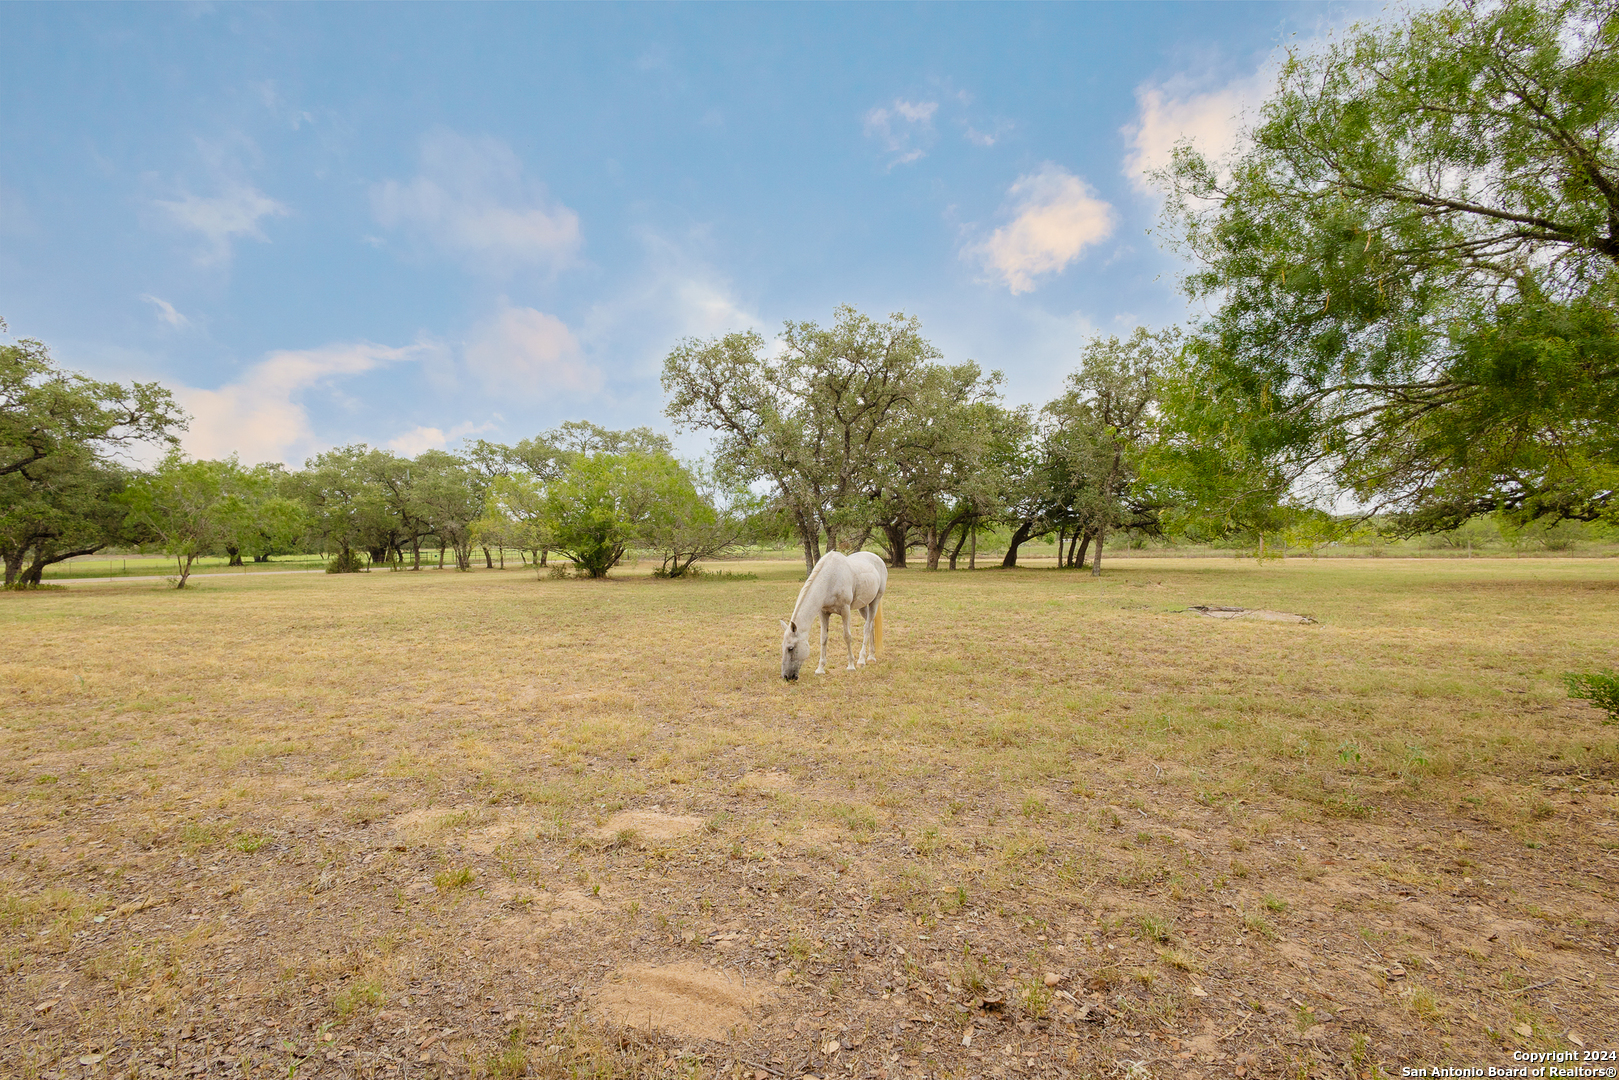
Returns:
(877,633)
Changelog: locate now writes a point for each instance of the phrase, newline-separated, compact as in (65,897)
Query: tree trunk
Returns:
(935,545)
(185,569)
(1062,543)
(262,558)
(810,534)
(1084,546)
(1107,507)
(235,554)
(13,564)
(972,557)
(897,536)
(488,560)
(441,554)
(503,556)
(965,529)
(416,552)
(35,574)
(1018,537)
(544,554)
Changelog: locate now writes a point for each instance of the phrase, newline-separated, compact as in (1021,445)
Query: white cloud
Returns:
(166,312)
(529,352)
(899,126)
(418,439)
(234,213)
(1055,216)
(260,416)
(1172,112)
(982,138)
(472,200)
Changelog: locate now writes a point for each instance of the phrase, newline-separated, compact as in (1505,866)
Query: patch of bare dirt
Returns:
(649,825)
(769,780)
(1251,614)
(684,998)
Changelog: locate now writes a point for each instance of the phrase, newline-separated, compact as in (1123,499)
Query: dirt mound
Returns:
(481,828)
(684,999)
(1258,614)
(649,825)
(769,780)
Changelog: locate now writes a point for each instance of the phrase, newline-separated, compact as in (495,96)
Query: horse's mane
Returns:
(803,590)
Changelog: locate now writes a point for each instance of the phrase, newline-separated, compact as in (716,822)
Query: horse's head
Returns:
(794,649)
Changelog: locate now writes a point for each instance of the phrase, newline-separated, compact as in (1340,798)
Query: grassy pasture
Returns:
(403,824)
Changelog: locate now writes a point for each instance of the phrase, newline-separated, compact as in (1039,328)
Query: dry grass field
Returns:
(437,824)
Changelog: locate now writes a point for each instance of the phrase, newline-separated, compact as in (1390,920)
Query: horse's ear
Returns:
(793,626)
(785,625)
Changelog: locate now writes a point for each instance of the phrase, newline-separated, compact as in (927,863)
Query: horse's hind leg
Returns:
(865,635)
(848,638)
(826,628)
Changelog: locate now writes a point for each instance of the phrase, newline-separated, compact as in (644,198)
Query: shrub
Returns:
(348,562)
(1600,688)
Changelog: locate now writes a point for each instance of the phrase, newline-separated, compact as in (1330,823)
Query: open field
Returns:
(407,825)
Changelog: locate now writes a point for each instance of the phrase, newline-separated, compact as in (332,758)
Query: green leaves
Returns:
(192,507)
(58,430)
(603,502)
(1408,267)
(46,411)
(853,425)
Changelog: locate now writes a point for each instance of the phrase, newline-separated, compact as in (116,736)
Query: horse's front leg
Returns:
(826,628)
(848,638)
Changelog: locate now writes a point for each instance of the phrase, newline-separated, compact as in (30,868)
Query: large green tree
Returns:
(450,496)
(604,502)
(1413,269)
(45,410)
(60,437)
(832,422)
(64,505)
(193,508)
(936,476)
(345,506)
(1098,431)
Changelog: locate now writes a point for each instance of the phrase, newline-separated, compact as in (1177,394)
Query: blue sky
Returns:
(408,224)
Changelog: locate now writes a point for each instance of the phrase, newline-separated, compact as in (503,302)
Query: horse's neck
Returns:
(808,608)
(810,597)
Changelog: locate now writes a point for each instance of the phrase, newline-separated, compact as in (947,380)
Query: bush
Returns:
(1600,688)
(349,562)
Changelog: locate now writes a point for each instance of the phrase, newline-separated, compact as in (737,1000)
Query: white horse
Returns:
(837,583)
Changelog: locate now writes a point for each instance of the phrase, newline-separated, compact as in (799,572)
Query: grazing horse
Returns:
(837,583)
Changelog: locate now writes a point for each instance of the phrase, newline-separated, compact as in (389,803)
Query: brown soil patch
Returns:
(769,780)
(650,825)
(476,828)
(1251,614)
(684,998)
(545,912)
